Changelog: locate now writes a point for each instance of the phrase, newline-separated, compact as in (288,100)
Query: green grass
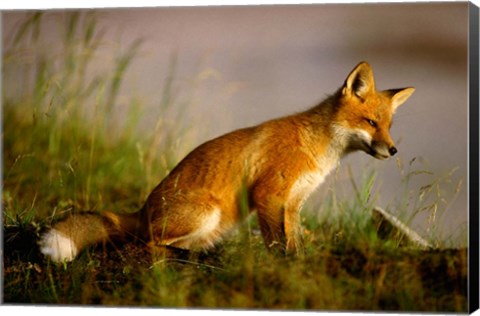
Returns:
(67,150)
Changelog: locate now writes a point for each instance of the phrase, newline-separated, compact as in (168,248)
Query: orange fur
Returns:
(275,165)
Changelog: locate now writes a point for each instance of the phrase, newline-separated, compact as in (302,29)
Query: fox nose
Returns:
(392,151)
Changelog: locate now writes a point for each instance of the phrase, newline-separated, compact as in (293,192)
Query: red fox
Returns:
(275,166)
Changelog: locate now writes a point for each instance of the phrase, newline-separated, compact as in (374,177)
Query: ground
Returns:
(344,276)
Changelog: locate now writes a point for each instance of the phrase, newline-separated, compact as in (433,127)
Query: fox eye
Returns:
(371,122)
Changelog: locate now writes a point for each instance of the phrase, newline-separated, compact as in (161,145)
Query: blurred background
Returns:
(239,66)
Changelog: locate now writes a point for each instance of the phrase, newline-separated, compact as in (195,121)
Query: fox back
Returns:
(272,168)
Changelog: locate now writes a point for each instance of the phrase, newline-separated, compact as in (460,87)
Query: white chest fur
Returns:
(309,181)
(305,185)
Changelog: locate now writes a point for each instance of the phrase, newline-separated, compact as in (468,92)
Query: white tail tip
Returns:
(57,246)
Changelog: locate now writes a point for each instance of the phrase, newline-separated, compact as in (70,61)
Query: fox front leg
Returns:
(272,228)
(278,214)
(281,229)
(292,228)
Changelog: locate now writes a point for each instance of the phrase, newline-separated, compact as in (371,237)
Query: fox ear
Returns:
(360,81)
(399,96)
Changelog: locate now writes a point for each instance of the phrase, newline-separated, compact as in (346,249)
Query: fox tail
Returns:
(67,238)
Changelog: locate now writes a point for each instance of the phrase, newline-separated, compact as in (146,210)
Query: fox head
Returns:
(364,115)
